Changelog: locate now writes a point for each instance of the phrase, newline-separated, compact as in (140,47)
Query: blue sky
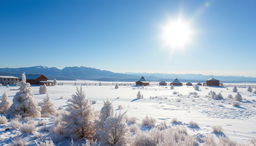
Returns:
(123,35)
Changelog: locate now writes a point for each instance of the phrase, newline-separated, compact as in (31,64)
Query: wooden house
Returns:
(212,82)
(176,82)
(162,83)
(142,82)
(38,79)
(9,80)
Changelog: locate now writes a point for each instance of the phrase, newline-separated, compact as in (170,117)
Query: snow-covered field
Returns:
(162,103)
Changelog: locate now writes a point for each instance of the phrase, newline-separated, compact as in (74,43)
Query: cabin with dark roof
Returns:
(142,82)
(38,79)
(162,83)
(213,82)
(176,82)
(189,84)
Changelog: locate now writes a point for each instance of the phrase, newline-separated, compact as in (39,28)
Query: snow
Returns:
(161,103)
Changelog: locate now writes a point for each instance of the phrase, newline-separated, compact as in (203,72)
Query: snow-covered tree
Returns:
(249,89)
(235,89)
(5,103)
(238,97)
(105,112)
(43,89)
(78,122)
(47,107)
(114,131)
(23,102)
(139,95)
(196,87)
(172,87)
(54,82)
(116,86)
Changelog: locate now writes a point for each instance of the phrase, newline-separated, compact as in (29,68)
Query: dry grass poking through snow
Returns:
(28,128)
(148,122)
(18,142)
(3,120)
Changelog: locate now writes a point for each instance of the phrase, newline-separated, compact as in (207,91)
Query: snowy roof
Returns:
(212,79)
(32,76)
(142,79)
(9,77)
(162,82)
(176,81)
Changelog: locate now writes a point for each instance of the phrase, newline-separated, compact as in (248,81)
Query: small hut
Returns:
(142,82)
(212,82)
(176,82)
(189,84)
(38,79)
(162,83)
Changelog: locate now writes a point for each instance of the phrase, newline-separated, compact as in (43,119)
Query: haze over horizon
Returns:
(131,36)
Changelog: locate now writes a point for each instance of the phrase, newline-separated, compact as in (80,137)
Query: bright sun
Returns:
(176,34)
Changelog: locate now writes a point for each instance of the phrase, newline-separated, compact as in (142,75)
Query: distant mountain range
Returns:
(87,73)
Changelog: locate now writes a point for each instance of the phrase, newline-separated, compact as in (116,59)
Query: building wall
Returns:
(213,83)
(9,81)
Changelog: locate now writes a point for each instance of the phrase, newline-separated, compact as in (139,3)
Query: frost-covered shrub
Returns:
(172,87)
(28,128)
(249,89)
(54,82)
(196,87)
(219,97)
(238,97)
(15,124)
(114,131)
(120,107)
(116,86)
(230,96)
(3,120)
(139,95)
(193,124)
(162,126)
(217,129)
(46,143)
(43,89)
(23,102)
(18,142)
(5,103)
(78,122)
(215,96)
(148,122)
(235,89)
(47,107)
(236,104)
(168,137)
(131,120)
(134,129)
(105,112)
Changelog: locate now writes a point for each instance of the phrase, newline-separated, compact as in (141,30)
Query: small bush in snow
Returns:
(236,104)
(116,86)
(139,95)
(172,87)
(162,126)
(3,120)
(43,89)
(105,112)
(54,82)
(196,87)
(193,124)
(249,89)
(28,128)
(235,89)
(18,142)
(238,97)
(5,104)
(134,129)
(120,107)
(148,122)
(47,107)
(114,131)
(230,96)
(131,120)
(78,122)
(23,102)
(217,129)
(15,124)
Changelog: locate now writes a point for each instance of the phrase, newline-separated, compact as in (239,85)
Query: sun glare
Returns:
(176,34)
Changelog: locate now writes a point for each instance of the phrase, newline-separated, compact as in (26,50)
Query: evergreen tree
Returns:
(5,103)
(47,107)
